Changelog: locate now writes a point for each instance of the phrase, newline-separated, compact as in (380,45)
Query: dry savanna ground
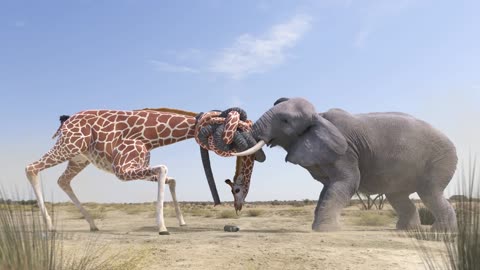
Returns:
(272,236)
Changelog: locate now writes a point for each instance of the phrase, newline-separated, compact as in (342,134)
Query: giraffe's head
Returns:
(241,180)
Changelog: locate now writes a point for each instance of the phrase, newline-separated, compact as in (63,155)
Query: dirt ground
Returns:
(270,237)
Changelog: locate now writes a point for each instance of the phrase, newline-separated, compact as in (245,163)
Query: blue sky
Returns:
(61,57)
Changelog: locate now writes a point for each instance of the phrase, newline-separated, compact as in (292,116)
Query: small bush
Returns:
(426,217)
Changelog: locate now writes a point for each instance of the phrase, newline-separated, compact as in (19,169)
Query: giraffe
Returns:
(118,142)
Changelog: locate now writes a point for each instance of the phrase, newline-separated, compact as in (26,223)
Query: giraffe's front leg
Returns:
(162,178)
(172,184)
(130,162)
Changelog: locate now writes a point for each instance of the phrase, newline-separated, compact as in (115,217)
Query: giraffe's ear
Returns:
(229,182)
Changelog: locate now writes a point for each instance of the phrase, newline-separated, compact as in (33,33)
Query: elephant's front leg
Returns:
(334,198)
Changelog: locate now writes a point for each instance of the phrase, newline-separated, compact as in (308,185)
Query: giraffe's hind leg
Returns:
(75,166)
(58,154)
(172,184)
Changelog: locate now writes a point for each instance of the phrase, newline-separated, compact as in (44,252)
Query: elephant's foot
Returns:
(444,227)
(408,223)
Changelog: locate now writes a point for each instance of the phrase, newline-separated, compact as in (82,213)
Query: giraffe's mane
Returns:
(170,110)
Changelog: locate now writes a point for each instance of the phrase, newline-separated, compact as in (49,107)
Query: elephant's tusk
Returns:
(252,150)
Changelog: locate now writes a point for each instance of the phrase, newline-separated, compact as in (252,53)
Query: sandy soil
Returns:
(279,238)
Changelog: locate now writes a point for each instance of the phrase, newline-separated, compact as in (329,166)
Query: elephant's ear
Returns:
(280,100)
(321,143)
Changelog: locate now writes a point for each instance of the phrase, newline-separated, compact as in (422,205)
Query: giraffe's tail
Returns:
(63,118)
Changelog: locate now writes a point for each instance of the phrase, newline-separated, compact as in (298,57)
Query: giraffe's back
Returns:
(99,132)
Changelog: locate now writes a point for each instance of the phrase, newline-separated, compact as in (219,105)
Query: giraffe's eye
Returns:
(237,190)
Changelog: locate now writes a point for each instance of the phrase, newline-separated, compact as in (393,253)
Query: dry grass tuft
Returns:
(25,243)
(373,218)
(227,214)
(255,212)
(463,246)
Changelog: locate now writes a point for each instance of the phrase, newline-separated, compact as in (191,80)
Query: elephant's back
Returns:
(395,148)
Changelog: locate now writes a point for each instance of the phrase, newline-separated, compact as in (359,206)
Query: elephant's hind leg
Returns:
(407,212)
(441,209)
(431,190)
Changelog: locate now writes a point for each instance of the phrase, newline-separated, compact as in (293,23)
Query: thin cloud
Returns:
(236,101)
(361,38)
(20,23)
(374,16)
(250,54)
(167,67)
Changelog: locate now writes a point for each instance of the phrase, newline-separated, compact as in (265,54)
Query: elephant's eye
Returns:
(237,190)
(284,121)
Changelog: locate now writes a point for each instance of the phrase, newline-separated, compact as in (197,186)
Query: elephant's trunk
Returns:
(259,133)
(208,172)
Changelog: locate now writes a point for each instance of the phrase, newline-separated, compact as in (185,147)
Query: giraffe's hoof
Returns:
(183,225)
(164,233)
(95,229)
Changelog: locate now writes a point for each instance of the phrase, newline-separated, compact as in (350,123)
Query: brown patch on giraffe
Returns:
(71,147)
(177,133)
(140,121)
(75,130)
(109,127)
(100,146)
(110,136)
(183,125)
(85,130)
(150,133)
(165,132)
(102,136)
(121,126)
(168,141)
(162,118)
(100,122)
(174,121)
(112,118)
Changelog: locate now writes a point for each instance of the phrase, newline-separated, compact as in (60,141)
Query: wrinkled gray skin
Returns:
(378,153)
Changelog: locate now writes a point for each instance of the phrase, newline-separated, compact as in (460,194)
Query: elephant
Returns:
(389,153)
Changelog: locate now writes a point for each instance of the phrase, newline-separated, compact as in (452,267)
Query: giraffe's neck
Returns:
(245,169)
(166,128)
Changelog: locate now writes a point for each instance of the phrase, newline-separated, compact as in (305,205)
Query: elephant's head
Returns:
(295,125)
